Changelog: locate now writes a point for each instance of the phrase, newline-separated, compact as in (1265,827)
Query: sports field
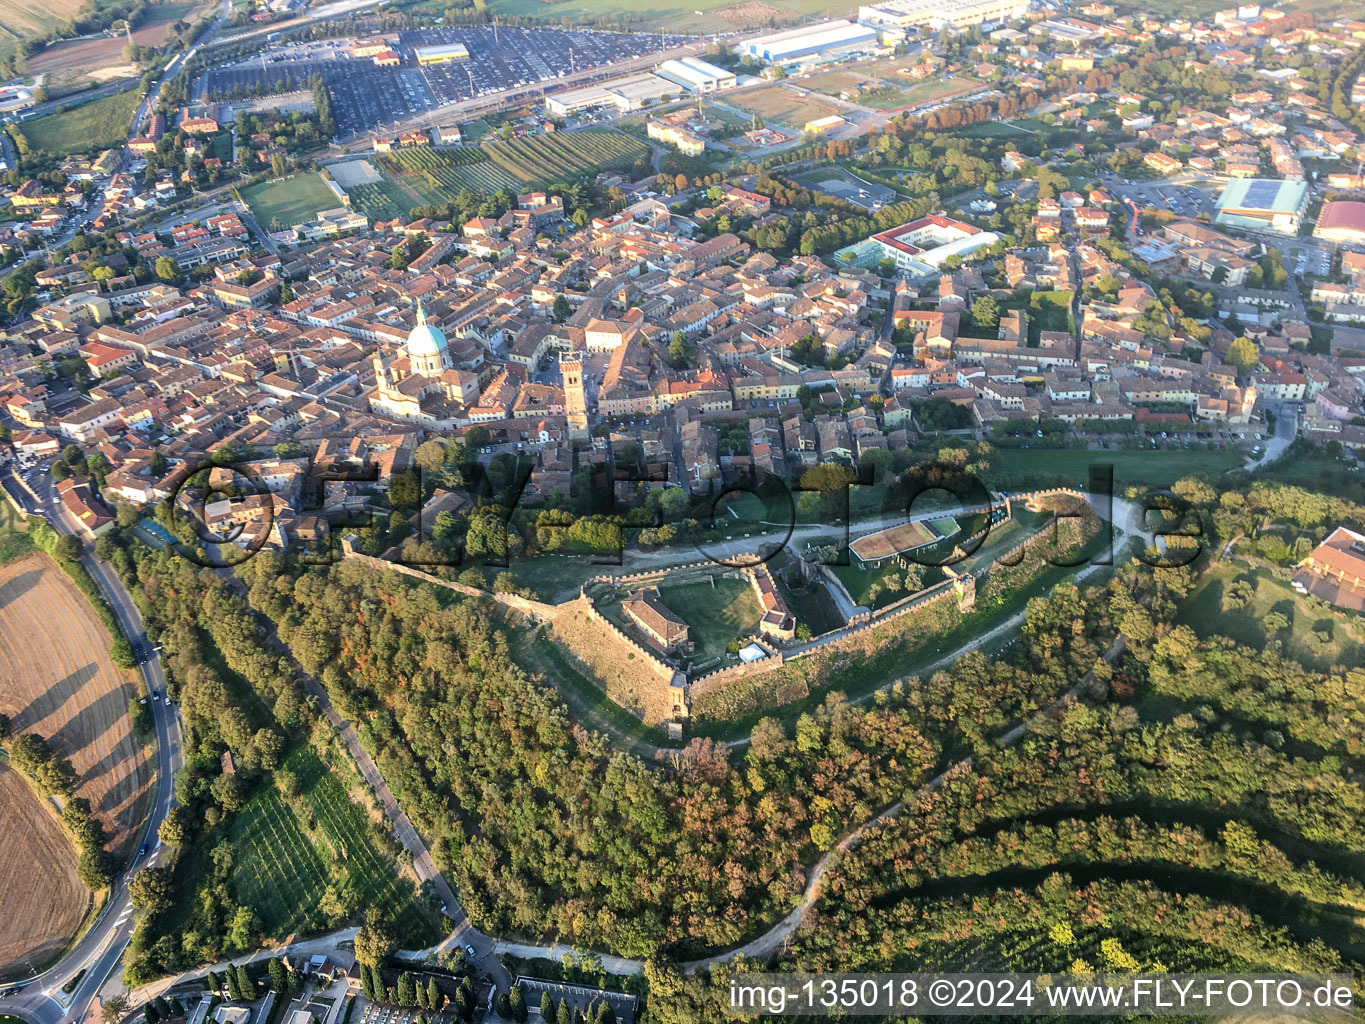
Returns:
(714,615)
(96,125)
(945,527)
(41,900)
(60,684)
(894,540)
(290,200)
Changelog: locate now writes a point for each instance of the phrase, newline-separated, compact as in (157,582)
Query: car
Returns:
(143,851)
(156,697)
(473,955)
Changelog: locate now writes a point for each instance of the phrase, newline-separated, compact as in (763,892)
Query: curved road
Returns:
(41,999)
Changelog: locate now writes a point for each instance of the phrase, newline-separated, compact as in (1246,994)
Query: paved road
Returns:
(99,952)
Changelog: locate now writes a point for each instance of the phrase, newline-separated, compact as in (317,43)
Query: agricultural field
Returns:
(380,201)
(41,900)
(714,615)
(92,126)
(775,103)
(288,852)
(290,200)
(696,16)
(60,683)
(78,63)
(439,174)
(559,157)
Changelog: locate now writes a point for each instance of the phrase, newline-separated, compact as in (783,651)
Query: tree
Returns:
(167,269)
(244,983)
(434,997)
(517,1002)
(986,312)
(566,1014)
(407,992)
(66,549)
(374,943)
(560,310)
(547,1007)
(279,977)
(1242,353)
(95,869)
(150,890)
(114,1009)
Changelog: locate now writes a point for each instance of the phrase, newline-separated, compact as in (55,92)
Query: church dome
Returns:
(425,340)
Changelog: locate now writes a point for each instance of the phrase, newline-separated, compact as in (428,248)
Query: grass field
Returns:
(698,16)
(1318,471)
(14,541)
(1131,468)
(714,615)
(98,124)
(41,900)
(60,683)
(289,200)
(1012,129)
(873,88)
(943,527)
(775,103)
(1203,612)
(289,853)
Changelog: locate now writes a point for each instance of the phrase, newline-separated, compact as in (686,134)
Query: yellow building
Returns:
(440,54)
(824,124)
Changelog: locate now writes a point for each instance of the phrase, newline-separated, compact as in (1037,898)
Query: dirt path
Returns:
(41,900)
(56,679)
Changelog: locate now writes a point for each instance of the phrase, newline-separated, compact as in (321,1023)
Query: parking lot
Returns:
(365,96)
(1315,262)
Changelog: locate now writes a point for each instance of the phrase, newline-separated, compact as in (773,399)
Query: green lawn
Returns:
(945,526)
(1203,612)
(287,855)
(714,615)
(98,124)
(1016,468)
(586,700)
(14,539)
(290,200)
(1315,470)
(692,16)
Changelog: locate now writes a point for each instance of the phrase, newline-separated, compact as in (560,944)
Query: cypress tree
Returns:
(434,998)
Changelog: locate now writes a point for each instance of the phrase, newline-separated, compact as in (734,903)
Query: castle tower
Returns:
(575,397)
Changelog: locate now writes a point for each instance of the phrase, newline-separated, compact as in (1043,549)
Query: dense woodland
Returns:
(1199,805)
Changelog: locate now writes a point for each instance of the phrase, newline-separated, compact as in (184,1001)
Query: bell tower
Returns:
(575,397)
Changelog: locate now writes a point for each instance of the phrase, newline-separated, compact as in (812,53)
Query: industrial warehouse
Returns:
(672,78)
(823,40)
(903,14)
